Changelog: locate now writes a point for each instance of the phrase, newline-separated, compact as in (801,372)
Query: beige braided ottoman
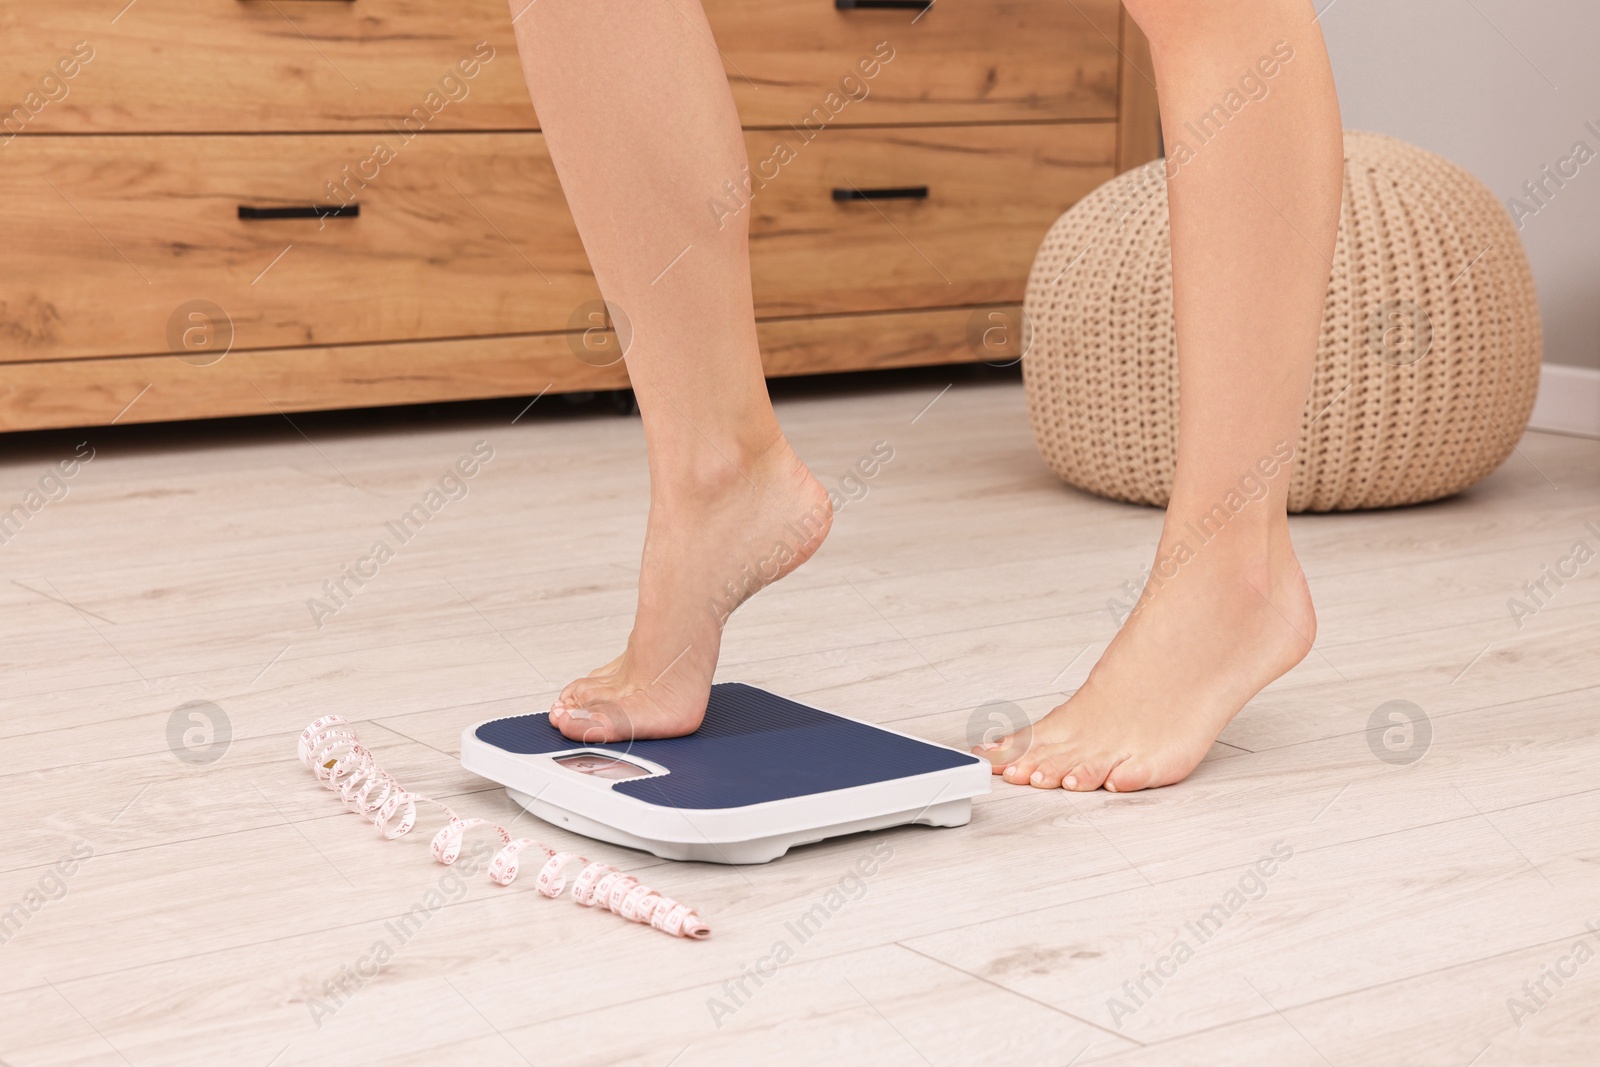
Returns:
(1426,368)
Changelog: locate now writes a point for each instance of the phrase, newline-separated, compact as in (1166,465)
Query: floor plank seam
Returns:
(1457,713)
(1335,997)
(1153,884)
(1024,996)
(308,820)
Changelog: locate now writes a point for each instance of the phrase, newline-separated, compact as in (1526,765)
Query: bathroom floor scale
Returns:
(761,775)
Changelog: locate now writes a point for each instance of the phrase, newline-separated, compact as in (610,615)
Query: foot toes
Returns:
(1005,751)
(596,685)
(580,724)
(595,721)
(1051,771)
(1021,771)
(584,692)
(1085,777)
(1129,776)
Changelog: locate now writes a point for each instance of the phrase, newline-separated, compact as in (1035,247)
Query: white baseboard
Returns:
(1569,400)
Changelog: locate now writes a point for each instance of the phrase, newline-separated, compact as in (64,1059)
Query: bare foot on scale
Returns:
(710,544)
(1191,655)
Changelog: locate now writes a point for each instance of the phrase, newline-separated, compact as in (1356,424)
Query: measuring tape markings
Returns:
(333,751)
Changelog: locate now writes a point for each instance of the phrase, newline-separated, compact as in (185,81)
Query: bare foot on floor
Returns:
(707,549)
(1192,654)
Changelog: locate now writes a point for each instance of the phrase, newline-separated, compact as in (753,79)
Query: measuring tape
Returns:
(335,754)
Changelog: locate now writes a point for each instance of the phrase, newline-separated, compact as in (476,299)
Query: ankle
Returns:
(701,469)
(1250,545)
(1240,538)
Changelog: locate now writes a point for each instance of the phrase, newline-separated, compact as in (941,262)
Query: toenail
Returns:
(1071,782)
(988,746)
(1111,787)
(579,713)
(1038,776)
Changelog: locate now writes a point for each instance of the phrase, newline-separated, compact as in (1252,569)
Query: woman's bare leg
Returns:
(1255,210)
(642,129)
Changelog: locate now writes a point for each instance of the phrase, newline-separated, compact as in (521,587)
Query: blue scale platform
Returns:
(762,773)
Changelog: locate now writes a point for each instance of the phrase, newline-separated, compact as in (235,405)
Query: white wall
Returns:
(1503,88)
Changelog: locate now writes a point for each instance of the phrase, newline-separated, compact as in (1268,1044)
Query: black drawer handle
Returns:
(897,5)
(307,211)
(905,192)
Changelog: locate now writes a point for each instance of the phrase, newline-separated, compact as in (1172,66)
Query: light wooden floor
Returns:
(221,897)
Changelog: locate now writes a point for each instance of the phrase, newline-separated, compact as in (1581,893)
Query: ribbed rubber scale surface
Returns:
(753,747)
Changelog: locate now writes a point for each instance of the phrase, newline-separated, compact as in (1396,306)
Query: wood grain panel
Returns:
(992,194)
(469,236)
(827,343)
(108,237)
(301,65)
(960,61)
(262,65)
(161,388)
(1138,112)
(92,392)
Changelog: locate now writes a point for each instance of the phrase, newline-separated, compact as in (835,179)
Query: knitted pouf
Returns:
(1426,368)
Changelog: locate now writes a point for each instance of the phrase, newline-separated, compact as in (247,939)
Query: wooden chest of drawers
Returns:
(169,180)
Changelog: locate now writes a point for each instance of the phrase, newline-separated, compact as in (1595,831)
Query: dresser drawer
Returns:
(302,65)
(259,65)
(972,204)
(94,392)
(109,238)
(465,235)
(800,61)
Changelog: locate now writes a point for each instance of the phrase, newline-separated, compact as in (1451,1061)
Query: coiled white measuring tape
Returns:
(335,754)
